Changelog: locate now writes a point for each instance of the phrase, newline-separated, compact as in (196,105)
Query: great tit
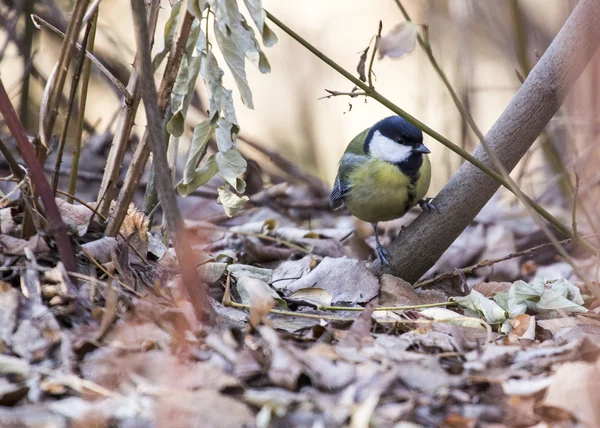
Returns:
(383,173)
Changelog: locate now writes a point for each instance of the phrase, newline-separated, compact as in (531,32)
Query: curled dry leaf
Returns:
(399,41)
(347,280)
(101,249)
(259,296)
(76,217)
(15,246)
(523,327)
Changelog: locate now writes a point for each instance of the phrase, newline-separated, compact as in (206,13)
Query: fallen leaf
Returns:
(397,292)
(523,327)
(574,389)
(347,280)
(259,296)
(314,296)
(290,271)
(361,327)
(207,408)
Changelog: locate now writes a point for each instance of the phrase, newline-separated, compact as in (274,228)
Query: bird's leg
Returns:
(426,205)
(382,253)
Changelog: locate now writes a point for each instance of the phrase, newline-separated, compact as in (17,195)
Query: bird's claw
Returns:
(426,205)
(383,255)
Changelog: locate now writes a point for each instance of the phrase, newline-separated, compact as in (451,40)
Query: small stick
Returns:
(488,262)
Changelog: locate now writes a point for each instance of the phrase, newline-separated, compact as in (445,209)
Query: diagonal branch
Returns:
(157,137)
(536,102)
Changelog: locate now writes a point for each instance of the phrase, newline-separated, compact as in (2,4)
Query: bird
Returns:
(384,172)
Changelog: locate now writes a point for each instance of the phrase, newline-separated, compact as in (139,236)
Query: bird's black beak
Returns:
(421,149)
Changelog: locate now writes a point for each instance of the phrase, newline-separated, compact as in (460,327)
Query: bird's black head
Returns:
(397,141)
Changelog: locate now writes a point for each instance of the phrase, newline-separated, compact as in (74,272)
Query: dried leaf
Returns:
(314,296)
(259,296)
(232,203)
(347,280)
(399,41)
(574,389)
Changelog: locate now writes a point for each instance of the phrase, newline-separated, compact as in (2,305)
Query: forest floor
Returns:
(500,332)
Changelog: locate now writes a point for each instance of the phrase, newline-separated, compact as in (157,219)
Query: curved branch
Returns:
(536,102)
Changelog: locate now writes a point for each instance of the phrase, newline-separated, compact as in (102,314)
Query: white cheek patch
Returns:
(388,150)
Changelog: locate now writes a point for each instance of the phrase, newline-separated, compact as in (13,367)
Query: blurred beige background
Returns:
(474,41)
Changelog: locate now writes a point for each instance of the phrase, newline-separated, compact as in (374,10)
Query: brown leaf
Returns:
(489,289)
(523,327)
(76,217)
(397,292)
(283,369)
(201,408)
(16,247)
(11,392)
(574,388)
(101,249)
(361,327)
(261,300)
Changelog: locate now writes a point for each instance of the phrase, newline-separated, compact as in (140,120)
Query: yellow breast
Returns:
(381,192)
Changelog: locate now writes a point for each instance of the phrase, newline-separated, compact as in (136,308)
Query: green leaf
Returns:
(552,300)
(258,16)
(220,99)
(196,7)
(202,133)
(231,165)
(232,203)
(202,175)
(480,304)
(185,83)
(234,57)
(176,125)
(163,46)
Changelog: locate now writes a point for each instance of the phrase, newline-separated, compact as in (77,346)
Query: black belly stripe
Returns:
(411,191)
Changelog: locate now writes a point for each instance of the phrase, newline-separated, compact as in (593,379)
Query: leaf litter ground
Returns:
(305,335)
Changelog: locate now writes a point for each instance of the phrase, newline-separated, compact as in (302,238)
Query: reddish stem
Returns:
(57,227)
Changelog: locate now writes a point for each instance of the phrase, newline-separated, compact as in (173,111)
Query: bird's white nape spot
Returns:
(388,150)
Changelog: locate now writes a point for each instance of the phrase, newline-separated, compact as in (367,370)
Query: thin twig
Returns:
(56,82)
(85,80)
(72,94)
(256,235)
(387,308)
(11,161)
(95,212)
(57,226)
(24,104)
(351,94)
(372,93)
(489,262)
(195,288)
(373,52)
(574,219)
(112,78)
(142,151)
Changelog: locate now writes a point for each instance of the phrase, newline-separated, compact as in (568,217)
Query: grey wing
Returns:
(340,189)
(341,186)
